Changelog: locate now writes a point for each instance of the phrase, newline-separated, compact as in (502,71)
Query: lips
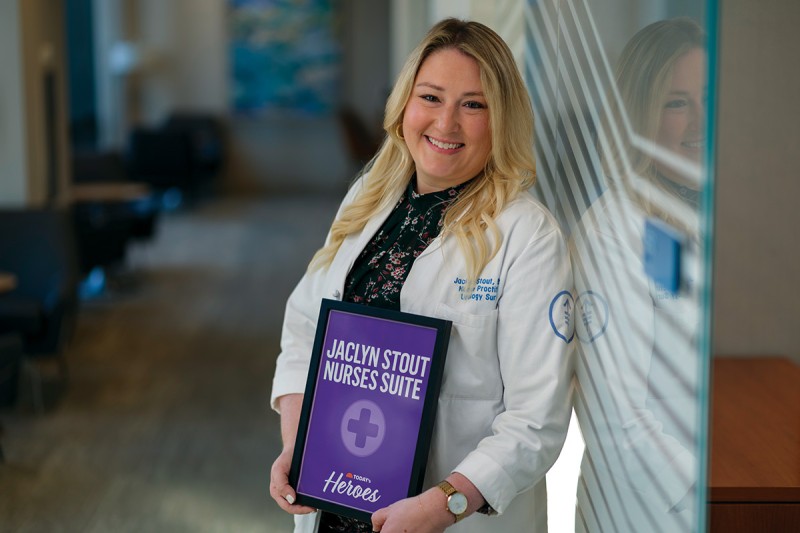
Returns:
(694,144)
(443,145)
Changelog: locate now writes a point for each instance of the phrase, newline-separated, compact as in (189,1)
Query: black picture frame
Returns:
(319,397)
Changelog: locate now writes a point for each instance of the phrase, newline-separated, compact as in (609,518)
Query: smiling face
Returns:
(446,121)
(682,126)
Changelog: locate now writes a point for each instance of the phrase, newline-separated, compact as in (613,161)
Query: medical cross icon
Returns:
(362,428)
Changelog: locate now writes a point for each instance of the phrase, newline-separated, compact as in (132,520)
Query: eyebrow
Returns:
(438,88)
(681,92)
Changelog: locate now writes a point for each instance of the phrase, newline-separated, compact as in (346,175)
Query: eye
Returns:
(474,105)
(429,98)
(675,104)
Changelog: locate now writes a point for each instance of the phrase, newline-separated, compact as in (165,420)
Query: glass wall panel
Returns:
(621,94)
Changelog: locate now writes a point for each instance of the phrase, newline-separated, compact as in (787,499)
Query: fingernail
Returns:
(289,498)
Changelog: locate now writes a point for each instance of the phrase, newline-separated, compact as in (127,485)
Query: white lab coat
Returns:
(637,368)
(504,405)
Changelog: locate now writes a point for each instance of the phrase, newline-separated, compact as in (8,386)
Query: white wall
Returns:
(757,271)
(186,44)
(13,163)
(43,38)
(31,37)
(409,22)
(366,80)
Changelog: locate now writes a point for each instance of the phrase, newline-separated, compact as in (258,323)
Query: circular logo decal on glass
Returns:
(592,320)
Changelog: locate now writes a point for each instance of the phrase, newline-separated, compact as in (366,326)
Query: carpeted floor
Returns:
(165,424)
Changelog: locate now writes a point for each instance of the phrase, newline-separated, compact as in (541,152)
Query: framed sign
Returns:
(369,407)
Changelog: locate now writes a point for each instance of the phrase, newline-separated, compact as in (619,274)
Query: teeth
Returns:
(443,146)
(695,144)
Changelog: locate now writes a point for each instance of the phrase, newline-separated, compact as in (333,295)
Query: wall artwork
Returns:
(285,56)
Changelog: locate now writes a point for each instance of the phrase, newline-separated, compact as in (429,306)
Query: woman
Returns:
(638,367)
(440,224)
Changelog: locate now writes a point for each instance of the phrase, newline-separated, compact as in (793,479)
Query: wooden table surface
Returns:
(755,430)
(109,192)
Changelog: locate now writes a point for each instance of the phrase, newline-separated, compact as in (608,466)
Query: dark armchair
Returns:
(181,156)
(37,246)
(109,210)
(206,140)
(162,159)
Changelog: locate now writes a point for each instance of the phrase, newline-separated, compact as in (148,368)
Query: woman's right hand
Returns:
(279,487)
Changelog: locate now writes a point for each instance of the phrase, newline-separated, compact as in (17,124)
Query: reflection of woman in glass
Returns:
(637,366)
(662,91)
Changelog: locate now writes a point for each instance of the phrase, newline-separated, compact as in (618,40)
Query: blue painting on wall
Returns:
(285,56)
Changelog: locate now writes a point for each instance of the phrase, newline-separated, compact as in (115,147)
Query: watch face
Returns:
(457,503)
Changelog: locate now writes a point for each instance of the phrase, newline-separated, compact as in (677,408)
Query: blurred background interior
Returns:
(167,169)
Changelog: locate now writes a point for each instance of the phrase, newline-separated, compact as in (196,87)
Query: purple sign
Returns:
(369,407)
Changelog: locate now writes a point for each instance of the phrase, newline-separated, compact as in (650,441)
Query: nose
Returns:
(447,120)
(698,116)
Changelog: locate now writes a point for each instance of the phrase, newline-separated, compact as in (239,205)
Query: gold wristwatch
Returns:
(456,501)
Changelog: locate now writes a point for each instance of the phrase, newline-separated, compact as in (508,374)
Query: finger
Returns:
(279,478)
(283,493)
(286,500)
(279,494)
(285,496)
(379,518)
(279,487)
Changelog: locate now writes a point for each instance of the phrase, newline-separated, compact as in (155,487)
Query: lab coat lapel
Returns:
(352,246)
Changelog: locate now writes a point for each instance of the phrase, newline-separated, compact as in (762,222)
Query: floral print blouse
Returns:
(382,267)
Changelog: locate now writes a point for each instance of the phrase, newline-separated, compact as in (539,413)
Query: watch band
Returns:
(447,488)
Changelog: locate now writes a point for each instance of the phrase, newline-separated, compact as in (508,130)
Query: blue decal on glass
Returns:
(592,320)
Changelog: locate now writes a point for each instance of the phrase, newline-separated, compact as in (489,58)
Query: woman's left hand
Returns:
(426,513)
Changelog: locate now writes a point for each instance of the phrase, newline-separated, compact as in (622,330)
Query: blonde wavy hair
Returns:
(510,167)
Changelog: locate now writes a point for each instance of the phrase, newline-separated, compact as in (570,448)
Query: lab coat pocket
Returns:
(472,370)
